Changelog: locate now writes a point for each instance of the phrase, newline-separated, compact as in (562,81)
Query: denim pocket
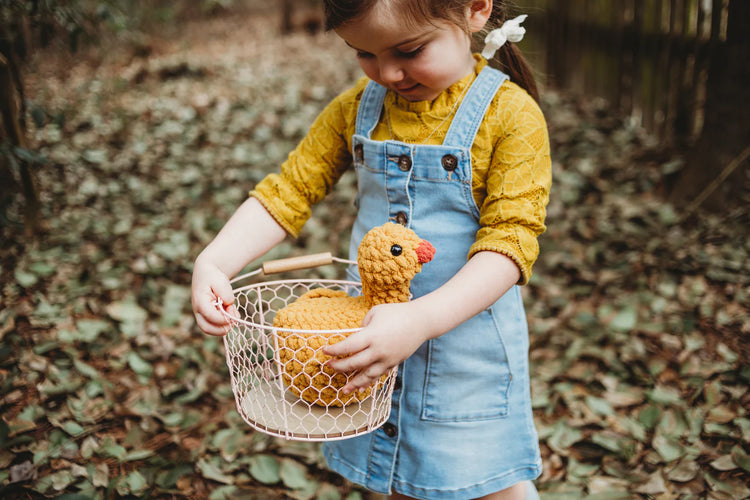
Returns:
(468,375)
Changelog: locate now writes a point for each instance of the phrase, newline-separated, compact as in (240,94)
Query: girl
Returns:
(459,152)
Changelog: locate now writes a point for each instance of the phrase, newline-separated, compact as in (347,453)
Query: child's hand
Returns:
(211,285)
(391,333)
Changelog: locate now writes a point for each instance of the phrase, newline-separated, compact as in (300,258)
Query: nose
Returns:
(391,72)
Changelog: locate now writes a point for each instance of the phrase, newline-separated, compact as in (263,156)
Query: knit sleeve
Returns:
(313,167)
(518,183)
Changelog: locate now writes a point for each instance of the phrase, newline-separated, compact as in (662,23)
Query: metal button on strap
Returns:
(401,218)
(404,163)
(359,152)
(390,430)
(450,162)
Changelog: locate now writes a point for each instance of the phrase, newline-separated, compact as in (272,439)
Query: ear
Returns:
(479,13)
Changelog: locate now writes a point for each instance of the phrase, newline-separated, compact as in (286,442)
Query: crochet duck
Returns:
(389,256)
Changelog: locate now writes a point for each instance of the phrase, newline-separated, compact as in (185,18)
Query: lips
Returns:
(406,89)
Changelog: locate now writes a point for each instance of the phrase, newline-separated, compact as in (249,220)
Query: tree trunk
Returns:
(286,16)
(12,135)
(726,127)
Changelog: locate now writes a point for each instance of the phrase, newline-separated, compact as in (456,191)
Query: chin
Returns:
(419,93)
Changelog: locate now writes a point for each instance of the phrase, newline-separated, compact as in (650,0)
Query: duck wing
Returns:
(323,309)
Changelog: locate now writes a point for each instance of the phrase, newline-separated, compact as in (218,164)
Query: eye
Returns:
(363,55)
(396,250)
(412,53)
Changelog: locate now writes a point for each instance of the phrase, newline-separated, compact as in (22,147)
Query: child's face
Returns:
(416,63)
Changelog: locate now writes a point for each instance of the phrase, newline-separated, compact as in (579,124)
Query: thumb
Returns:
(368,318)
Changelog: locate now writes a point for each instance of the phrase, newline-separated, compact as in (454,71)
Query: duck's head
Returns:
(389,257)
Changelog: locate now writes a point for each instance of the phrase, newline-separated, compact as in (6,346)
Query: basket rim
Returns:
(265,284)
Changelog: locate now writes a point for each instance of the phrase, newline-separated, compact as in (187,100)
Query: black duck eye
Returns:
(396,250)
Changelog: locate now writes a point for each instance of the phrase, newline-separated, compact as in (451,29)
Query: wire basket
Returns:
(280,383)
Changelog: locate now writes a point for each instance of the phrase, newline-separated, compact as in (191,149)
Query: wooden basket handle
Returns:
(295,263)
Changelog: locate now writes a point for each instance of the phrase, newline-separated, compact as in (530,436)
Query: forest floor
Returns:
(638,313)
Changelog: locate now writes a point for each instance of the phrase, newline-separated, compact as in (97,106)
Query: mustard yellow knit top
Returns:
(511,173)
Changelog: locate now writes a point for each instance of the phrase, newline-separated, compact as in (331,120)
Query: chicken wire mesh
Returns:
(278,375)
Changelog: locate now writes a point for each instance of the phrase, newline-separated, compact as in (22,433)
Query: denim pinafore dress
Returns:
(461,422)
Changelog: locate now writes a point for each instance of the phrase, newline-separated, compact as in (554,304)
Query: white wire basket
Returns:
(279,379)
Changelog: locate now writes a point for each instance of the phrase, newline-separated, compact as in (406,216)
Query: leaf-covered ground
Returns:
(638,318)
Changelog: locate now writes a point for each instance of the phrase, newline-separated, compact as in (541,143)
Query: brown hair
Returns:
(508,58)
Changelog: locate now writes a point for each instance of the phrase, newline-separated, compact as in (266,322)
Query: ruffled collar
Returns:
(446,99)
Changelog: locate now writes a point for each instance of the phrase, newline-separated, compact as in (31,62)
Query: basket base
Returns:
(295,419)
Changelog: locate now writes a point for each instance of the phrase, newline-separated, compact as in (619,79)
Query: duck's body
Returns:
(324,309)
(389,257)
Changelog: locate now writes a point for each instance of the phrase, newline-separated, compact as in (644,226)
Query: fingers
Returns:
(211,328)
(223,290)
(214,316)
(365,379)
(358,361)
(352,344)
(363,358)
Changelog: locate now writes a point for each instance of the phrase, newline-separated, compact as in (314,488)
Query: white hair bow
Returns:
(510,30)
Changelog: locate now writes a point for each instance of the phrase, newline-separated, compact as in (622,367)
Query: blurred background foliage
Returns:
(132,130)
(28,25)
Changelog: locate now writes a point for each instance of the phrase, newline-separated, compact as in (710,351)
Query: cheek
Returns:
(370,68)
(428,72)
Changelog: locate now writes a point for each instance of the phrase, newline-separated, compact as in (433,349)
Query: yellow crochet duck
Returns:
(389,256)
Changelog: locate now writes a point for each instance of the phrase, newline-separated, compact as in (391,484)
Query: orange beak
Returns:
(425,252)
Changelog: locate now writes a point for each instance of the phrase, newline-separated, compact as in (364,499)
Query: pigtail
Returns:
(508,58)
(510,61)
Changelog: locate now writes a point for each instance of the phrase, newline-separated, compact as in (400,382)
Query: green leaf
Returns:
(724,463)
(88,330)
(666,395)
(95,156)
(113,450)
(563,438)
(293,474)
(175,248)
(613,442)
(741,458)
(599,406)
(25,279)
(86,370)
(265,469)
(625,320)
(137,455)
(650,416)
(168,479)
(684,471)
(136,483)
(744,425)
(73,428)
(210,470)
(138,365)
(227,492)
(669,449)
(126,311)
(327,492)
(581,470)
(175,300)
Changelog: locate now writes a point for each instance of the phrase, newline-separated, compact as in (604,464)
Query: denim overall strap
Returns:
(471,112)
(370,107)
